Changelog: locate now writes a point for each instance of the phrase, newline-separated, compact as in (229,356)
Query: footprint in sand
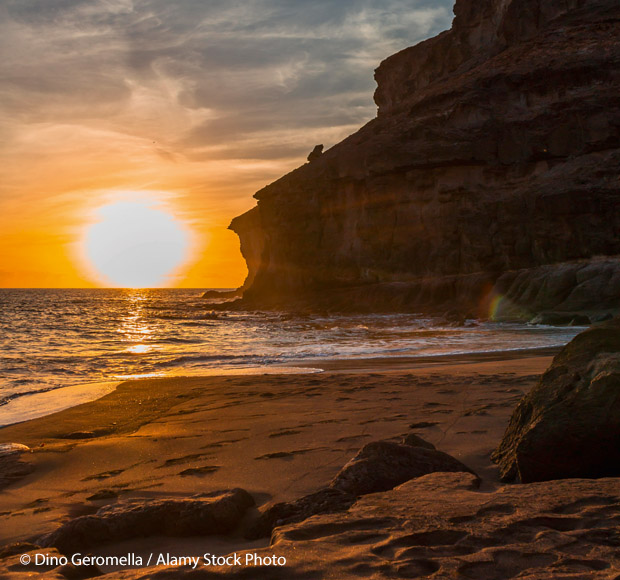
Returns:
(284,433)
(184,459)
(423,424)
(104,474)
(288,454)
(204,470)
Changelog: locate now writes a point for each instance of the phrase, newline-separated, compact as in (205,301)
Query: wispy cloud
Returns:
(213,94)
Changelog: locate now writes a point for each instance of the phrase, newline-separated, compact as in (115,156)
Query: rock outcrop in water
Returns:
(569,424)
(489,178)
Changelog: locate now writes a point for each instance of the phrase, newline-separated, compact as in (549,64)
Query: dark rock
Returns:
(603,317)
(569,424)
(315,153)
(215,513)
(560,319)
(327,500)
(414,440)
(382,465)
(490,173)
(379,466)
(17,548)
(221,294)
(580,320)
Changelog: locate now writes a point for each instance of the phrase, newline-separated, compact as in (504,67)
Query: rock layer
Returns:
(569,424)
(439,526)
(214,513)
(491,170)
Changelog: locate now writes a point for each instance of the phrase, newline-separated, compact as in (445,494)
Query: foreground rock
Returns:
(379,466)
(12,566)
(215,513)
(382,465)
(569,424)
(487,182)
(439,526)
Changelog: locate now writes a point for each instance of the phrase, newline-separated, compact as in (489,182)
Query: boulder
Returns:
(569,424)
(215,513)
(382,465)
(414,440)
(379,466)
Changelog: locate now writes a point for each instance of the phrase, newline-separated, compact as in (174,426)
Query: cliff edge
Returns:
(488,183)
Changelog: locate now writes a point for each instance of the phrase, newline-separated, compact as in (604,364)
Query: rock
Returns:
(414,440)
(12,467)
(17,548)
(378,466)
(215,513)
(217,294)
(8,449)
(561,319)
(580,320)
(440,526)
(327,500)
(315,153)
(382,465)
(569,424)
(490,173)
(603,317)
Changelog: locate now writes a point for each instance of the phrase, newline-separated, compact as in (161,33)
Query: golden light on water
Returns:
(136,244)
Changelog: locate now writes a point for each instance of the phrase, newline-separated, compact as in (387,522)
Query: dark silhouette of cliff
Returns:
(489,179)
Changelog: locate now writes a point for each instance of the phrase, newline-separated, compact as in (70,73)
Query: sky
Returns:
(184,107)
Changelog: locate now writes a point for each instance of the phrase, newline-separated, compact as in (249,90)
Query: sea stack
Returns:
(487,184)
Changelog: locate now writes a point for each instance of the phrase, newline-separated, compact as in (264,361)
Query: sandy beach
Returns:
(277,436)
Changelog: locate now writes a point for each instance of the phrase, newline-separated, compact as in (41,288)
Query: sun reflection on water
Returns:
(135,328)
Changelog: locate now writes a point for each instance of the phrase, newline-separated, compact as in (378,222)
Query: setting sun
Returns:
(135,244)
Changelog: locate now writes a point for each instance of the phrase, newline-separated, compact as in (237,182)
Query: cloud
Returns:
(85,59)
(211,99)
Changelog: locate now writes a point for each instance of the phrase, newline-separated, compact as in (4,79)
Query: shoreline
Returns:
(278,436)
(83,393)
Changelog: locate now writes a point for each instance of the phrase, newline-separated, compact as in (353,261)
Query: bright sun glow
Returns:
(136,245)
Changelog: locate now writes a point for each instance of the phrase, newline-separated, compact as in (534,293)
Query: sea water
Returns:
(61,347)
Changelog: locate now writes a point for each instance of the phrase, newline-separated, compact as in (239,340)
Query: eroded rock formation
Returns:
(491,171)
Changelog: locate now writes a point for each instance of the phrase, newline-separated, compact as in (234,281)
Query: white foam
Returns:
(40,404)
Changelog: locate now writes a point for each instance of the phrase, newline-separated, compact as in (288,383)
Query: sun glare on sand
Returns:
(135,244)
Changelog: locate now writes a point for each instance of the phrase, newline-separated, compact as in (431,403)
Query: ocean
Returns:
(61,347)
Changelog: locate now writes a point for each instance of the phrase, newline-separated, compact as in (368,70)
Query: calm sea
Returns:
(63,347)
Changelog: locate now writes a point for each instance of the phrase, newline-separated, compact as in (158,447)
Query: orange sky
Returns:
(192,105)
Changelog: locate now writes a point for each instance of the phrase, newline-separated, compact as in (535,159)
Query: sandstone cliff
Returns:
(490,175)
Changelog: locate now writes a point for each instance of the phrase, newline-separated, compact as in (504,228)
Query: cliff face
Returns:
(492,170)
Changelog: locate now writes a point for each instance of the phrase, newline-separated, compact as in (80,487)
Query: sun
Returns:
(135,244)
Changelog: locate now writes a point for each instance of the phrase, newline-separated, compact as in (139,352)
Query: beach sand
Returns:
(277,436)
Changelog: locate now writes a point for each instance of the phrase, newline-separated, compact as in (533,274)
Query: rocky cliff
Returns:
(489,180)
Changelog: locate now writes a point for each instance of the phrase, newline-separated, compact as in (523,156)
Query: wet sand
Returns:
(277,436)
